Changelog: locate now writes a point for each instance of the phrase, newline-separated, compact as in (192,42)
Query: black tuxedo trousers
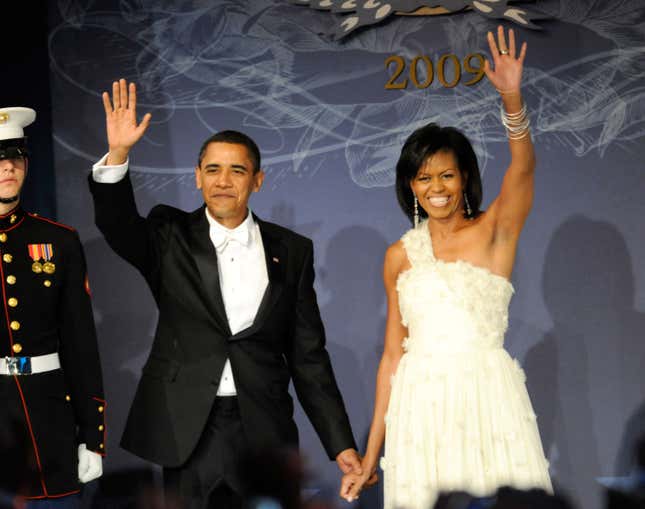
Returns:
(212,477)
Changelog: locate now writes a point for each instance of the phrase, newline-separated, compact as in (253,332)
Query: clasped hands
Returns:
(356,474)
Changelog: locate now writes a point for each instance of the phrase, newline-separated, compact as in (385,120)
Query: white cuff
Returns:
(109,174)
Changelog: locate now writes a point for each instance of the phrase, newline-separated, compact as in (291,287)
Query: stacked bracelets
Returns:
(517,124)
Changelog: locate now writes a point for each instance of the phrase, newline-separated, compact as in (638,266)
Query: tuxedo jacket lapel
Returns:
(205,257)
(275,254)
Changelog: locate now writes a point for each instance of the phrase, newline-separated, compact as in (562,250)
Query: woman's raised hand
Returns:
(506,76)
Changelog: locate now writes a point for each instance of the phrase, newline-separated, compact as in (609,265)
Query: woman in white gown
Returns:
(451,405)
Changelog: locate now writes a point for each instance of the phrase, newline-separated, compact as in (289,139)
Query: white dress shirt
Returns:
(243,279)
(241,265)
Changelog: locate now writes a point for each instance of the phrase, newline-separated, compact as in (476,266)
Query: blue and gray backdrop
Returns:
(330,117)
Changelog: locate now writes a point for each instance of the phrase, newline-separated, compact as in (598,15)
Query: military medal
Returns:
(35,254)
(48,252)
(44,252)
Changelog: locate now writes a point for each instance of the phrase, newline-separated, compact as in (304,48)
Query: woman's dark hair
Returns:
(237,138)
(425,142)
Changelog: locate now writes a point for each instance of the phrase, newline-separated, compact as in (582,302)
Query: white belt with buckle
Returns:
(29,365)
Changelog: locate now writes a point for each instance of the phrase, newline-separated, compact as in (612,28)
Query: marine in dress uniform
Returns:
(50,374)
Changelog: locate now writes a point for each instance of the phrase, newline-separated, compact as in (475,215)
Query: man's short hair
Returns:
(236,138)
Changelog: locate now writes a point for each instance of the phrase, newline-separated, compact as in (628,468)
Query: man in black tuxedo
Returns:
(238,319)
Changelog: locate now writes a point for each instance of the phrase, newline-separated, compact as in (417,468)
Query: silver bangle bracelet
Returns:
(518,127)
(520,136)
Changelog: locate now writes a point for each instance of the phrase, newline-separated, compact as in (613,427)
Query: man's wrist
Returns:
(117,156)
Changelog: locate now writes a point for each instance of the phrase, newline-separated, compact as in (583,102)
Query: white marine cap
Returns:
(12,121)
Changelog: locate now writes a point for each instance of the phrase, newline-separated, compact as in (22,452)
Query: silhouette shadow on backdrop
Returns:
(634,430)
(585,376)
(125,317)
(351,295)
(354,316)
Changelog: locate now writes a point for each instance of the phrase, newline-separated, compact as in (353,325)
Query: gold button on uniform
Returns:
(101,409)
(11,279)
(68,397)
(47,283)
(13,302)
(3,237)
(101,446)
(7,257)
(17,348)
(15,325)
(101,428)
(13,218)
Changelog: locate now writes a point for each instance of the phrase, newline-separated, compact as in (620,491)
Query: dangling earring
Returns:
(469,211)
(416,211)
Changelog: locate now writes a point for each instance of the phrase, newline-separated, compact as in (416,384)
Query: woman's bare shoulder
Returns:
(396,260)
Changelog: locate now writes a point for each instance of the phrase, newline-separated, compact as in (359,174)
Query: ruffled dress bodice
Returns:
(452,306)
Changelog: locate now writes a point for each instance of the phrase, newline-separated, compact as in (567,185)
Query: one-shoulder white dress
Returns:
(459,416)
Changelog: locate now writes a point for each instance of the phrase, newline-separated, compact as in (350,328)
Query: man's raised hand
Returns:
(123,131)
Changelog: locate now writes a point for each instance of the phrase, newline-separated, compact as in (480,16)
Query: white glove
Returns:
(90,464)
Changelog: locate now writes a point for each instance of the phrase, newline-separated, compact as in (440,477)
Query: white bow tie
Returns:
(222,238)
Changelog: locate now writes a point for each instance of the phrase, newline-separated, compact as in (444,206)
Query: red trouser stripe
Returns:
(31,432)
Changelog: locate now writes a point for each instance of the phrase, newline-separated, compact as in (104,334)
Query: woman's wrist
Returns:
(369,463)
(508,92)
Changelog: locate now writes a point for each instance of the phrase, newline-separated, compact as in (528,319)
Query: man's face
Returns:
(227,178)
(12,176)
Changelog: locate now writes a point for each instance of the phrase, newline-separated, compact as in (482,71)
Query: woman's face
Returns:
(439,186)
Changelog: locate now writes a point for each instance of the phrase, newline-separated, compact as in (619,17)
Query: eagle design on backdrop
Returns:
(362,13)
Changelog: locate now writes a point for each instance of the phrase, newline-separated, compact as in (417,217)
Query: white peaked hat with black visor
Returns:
(13,142)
